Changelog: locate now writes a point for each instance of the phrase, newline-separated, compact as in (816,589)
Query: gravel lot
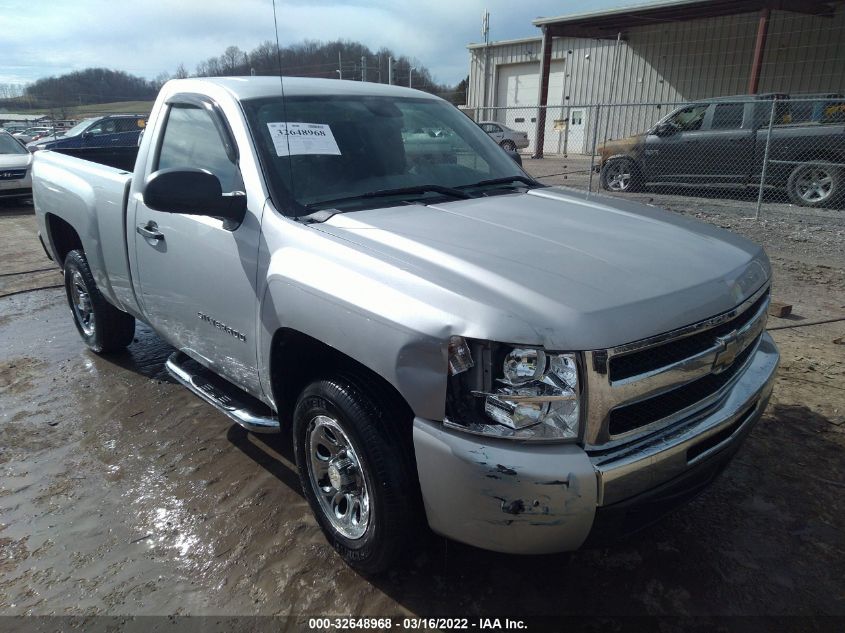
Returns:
(123,494)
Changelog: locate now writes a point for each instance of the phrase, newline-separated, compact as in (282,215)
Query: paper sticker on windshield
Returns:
(291,139)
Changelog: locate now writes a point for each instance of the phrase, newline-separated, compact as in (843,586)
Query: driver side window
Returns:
(96,129)
(689,119)
(191,140)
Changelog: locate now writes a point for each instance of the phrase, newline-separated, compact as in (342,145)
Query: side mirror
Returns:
(87,136)
(514,156)
(192,191)
(665,129)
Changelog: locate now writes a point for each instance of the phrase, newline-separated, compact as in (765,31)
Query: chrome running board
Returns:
(251,414)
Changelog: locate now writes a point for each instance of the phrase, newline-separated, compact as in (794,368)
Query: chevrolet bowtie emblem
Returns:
(730,347)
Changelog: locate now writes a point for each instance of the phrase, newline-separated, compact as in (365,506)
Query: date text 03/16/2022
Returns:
(415,624)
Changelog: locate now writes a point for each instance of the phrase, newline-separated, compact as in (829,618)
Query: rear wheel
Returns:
(814,185)
(508,146)
(357,472)
(621,175)
(103,327)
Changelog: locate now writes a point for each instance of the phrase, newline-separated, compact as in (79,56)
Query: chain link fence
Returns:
(769,149)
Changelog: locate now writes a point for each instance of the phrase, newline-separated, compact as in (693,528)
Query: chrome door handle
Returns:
(149,231)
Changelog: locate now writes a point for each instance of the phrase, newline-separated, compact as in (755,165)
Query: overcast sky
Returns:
(51,37)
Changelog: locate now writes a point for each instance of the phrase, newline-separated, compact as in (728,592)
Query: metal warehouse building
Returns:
(660,54)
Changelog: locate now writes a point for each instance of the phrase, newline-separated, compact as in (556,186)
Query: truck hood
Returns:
(565,269)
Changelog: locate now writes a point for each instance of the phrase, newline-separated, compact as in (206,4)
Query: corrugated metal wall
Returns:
(677,62)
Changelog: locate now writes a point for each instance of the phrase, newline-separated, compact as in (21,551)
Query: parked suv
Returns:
(113,130)
(723,141)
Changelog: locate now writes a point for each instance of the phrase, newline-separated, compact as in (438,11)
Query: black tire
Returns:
(380,438)
(103,327)
(815,185)
(621,175)
(508,146)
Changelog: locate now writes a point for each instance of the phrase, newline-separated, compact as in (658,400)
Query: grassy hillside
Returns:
(141,107)
(117,107)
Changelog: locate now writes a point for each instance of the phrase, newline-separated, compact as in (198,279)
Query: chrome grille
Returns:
(635,363)
(630,417)
(12,174)
(647,385)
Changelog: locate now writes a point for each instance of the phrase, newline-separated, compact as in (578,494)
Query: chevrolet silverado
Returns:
(445,339)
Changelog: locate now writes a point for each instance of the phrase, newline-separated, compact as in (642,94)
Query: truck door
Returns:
(727,148)
(671,148)
(197,274)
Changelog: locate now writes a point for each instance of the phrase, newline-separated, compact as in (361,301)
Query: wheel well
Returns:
(297,359)
(628,157)
(63,237)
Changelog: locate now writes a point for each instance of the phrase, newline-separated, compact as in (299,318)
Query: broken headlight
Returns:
(531,394)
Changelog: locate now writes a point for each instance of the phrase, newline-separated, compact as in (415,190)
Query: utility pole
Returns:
(390,70)
(339,66)
(411,76)
(363,68)
(485,31)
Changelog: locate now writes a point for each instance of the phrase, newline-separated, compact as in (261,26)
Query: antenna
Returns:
(284,101)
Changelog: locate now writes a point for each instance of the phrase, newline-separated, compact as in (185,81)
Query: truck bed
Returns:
(91,195)
(122,158)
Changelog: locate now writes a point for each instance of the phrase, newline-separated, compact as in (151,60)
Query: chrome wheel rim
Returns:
(83,309)
(814,185)
(337,477)
(618,176)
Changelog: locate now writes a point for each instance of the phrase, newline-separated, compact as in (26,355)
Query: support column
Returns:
(543,97)
(759,50)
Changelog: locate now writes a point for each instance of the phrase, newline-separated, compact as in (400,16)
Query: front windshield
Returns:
(80,127)
(342,146)
(8,145)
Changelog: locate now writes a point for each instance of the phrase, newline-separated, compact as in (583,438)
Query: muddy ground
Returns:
(123,494)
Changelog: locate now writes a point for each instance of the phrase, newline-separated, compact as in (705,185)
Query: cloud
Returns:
(53,37)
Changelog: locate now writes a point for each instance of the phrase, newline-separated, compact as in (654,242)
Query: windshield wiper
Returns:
(399,191)
(503,181)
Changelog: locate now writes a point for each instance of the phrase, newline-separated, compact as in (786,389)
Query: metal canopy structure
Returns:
(607,24)
(614,23)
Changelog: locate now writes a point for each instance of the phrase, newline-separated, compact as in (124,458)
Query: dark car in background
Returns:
(723,141)
(112,130)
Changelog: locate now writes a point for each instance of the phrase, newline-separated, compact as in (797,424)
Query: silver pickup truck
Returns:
(447,340)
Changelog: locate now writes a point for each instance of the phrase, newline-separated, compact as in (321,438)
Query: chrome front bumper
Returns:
(628,470)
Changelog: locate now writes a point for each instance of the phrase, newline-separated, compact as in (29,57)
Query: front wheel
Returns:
(103,327)
(621,175)
(355,465)
(814,185)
